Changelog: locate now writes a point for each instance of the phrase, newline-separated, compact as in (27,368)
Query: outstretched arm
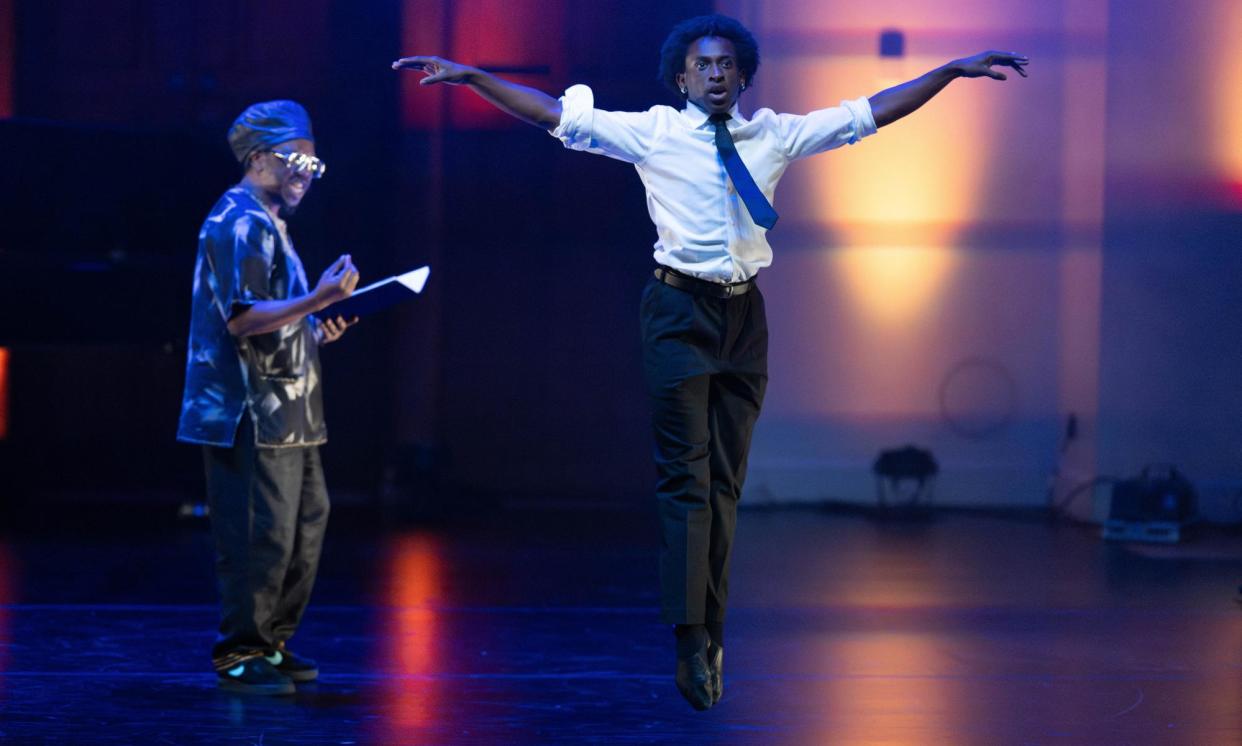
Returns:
(892,104)
(529,105)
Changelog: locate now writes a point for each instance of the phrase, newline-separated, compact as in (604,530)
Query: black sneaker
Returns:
(294,666)
(255,676)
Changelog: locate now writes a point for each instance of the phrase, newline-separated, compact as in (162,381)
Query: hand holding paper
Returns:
(333,328)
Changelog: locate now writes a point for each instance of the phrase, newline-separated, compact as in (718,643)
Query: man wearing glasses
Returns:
(253,400)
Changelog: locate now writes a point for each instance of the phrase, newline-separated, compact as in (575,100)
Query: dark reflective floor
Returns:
(541,628)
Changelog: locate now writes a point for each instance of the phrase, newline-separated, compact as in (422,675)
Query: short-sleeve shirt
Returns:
(703,228)
(245,256)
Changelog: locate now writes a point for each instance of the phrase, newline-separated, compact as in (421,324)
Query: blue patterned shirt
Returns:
(245,256)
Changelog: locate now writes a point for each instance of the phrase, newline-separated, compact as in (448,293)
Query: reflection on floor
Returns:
(541,628)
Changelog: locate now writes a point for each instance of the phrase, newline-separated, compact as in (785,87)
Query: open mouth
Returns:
(717,95)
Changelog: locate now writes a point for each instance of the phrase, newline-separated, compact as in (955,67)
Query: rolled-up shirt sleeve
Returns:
(825,129)
(626,136)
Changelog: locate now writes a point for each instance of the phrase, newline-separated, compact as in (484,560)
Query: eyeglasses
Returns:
(302,163)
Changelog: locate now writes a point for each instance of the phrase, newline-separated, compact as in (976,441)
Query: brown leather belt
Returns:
(682,281)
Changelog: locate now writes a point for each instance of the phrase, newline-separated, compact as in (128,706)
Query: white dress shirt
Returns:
(703,228)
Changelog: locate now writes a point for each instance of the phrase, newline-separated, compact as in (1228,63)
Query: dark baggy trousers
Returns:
(705,364)
(269,509)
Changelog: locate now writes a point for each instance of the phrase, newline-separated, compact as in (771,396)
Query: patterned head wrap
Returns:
(270,123)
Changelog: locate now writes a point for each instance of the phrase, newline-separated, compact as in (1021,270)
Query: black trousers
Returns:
(269,510)
(705,364)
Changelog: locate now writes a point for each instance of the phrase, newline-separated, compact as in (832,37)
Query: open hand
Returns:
(981,64)
(437,69)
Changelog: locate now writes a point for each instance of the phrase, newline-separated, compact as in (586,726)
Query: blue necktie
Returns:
(760,209)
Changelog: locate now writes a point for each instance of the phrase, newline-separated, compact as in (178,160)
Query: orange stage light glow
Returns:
(902,668)
(921,174)
(893,285)
(898,202)
(1227,96)
(412,635)
(4,393)
(514,35)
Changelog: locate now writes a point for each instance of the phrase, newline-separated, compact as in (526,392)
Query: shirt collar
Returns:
(273,214)
(696,117)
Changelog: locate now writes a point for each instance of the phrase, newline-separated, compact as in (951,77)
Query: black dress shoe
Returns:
(715,668)
(693,675)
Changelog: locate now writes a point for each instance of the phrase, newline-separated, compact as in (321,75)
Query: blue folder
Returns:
(379,295)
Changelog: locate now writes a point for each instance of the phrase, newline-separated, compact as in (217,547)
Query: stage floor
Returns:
(541,627)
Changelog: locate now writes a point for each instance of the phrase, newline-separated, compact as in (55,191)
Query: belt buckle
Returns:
(729,290)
